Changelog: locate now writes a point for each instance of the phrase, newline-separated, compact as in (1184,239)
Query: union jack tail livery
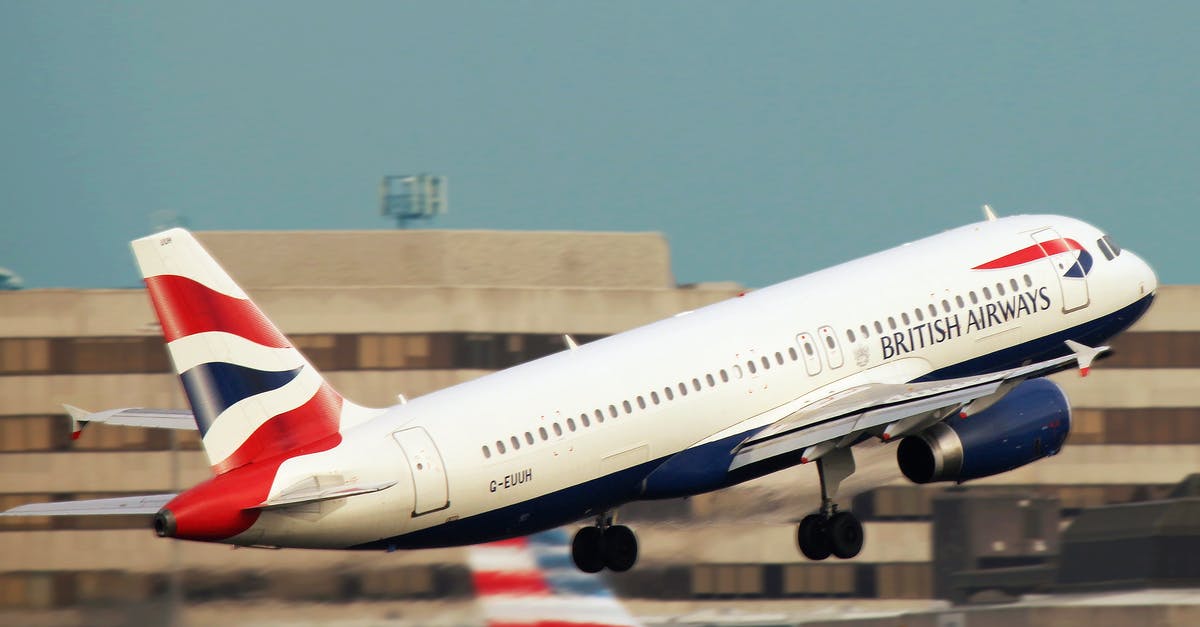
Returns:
(254,396)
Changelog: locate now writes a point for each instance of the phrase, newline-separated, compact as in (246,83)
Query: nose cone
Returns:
(1147,280)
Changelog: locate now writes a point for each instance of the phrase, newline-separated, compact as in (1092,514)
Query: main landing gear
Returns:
(830,532)
(604,545)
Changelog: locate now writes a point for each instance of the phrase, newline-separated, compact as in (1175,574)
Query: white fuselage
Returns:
(805,337)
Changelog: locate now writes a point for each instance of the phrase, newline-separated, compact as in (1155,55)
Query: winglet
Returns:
(988,213)
(570,341)
(1084,355)
(79,419)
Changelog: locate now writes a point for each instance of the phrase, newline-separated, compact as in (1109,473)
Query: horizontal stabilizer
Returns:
(133,417)
(122,505)
(311,490)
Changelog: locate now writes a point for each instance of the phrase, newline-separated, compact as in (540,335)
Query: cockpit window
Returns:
(1108,247)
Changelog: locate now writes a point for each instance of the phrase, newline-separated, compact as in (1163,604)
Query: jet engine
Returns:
(1029,423)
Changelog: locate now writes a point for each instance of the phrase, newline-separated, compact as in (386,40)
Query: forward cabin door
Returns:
(430,490)
(1068,267)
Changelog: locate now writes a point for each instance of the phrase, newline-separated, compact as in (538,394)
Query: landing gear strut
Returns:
(604,545)
(830,532)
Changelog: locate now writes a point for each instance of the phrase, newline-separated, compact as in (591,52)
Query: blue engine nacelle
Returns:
(1029,423)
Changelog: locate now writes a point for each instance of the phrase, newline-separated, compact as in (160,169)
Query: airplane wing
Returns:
(531,581)
(119,506)
(131,417)
(889,410)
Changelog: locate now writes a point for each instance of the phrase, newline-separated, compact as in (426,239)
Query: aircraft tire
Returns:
(812,539)
(620,548)
(845,535)
(587,550)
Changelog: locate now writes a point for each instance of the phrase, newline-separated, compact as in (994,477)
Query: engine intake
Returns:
(1029,423)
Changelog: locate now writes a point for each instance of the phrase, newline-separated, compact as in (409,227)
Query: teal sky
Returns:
(765,139)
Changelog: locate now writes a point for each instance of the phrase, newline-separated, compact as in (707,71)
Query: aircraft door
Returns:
(808,352)
(833,350)
(1070,268)
(430,489)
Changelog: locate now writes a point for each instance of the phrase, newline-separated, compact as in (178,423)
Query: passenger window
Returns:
(542,432)
(808,349)
(737,370)
(920,316)
(945,306)
(904,318)
(612,411)
(779,358)
(641,402)
(599,416)
(1013,284)
(987,294)
(583,420)
(654,397)
(627,406)
(974,298)
(891,323)
(499,447)
(959,301)
(487,453)
(669,393)
(766,363)
(878,327)
(725,375)
(850,335)
(711,381)
(570,424)
(750,367)
(1000,289)
(863,329)
(528,438)
(683,389)
(932,310)
(829,341)
(696,384)
(515,442)
(1028,281)
(557,429)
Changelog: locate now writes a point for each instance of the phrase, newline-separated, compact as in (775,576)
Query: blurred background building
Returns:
(388,312)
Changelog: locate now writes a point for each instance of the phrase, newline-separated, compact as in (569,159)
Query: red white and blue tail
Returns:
(531,582)
(254,396)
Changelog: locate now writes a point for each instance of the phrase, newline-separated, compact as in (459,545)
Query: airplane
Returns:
(530,581)
(939,344)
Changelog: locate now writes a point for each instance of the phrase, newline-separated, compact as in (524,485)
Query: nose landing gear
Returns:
(831,532)
(604,545)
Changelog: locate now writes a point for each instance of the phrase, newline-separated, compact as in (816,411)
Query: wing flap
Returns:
(118,506)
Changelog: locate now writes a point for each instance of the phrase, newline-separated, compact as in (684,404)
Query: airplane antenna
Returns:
(988,213)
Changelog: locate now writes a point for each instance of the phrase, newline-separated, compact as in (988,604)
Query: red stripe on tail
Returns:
(514,583)
(320,417)
(186,307)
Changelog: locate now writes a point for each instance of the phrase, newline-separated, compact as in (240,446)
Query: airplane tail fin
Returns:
(254,396)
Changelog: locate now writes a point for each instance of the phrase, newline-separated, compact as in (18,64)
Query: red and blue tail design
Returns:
(531,582)
(254,396)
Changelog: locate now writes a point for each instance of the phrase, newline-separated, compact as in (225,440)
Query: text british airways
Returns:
(980,318)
